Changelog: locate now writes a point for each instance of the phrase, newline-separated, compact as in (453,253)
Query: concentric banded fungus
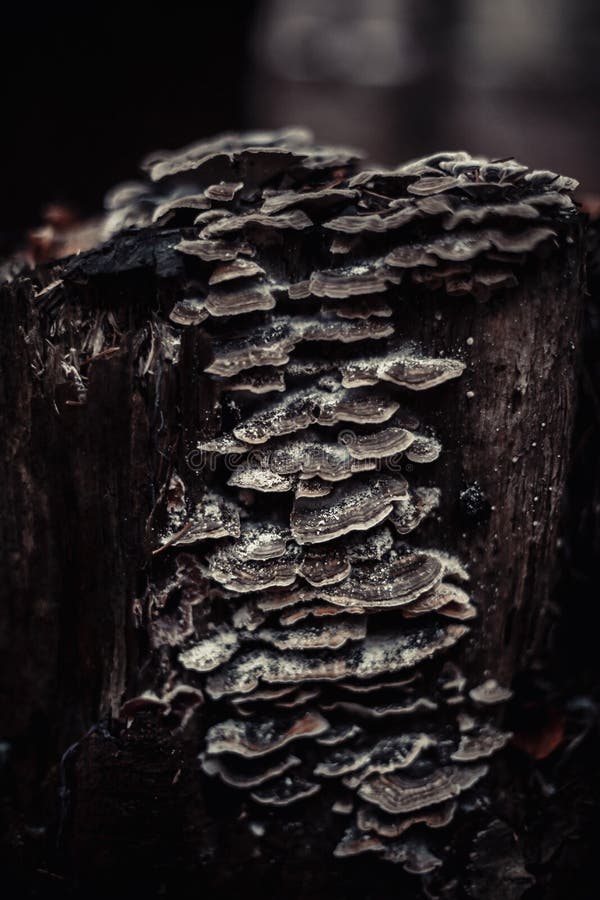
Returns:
(386,755)
(295,220)
(382,443)
(369,818)
(272,342)
(356,507)
(190,311)
(401,368)
(312,487)
(237,570)
(258,381)
(230,301)
(387,585)
(439,598)
(276,202)
(308,601)
(463,245)
(397,708)
(258,737)
(377,655)
(211,251)
(339,284)
(369,586)
(276,152)
(310,456)
(307,456)
(310,406)
(486,741)
(397,794)
(318,609)
(321,635)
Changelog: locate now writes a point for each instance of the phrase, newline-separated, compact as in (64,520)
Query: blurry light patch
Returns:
(363,42)
(502,42)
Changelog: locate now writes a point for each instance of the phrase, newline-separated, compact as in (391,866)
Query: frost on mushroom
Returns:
(314,604)
(213,516)
(327,405)
(358,506)
(374,656)
(385,755)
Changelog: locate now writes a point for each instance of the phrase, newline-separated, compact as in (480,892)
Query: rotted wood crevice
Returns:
(302,435)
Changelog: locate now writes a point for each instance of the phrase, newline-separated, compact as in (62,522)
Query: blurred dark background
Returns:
(88,88)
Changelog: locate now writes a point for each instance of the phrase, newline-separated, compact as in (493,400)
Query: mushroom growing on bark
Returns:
(287,371)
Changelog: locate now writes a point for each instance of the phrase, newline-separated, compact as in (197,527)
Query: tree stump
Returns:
(284,456)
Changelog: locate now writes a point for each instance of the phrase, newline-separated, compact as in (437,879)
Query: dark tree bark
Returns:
(91,434)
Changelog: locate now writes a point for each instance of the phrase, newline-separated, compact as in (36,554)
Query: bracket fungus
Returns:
(259,737)
(319,615)
(399,794)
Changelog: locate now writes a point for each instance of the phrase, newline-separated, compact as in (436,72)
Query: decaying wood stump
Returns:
(284,456)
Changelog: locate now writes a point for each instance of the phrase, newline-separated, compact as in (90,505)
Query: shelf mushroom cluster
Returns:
(316,630)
